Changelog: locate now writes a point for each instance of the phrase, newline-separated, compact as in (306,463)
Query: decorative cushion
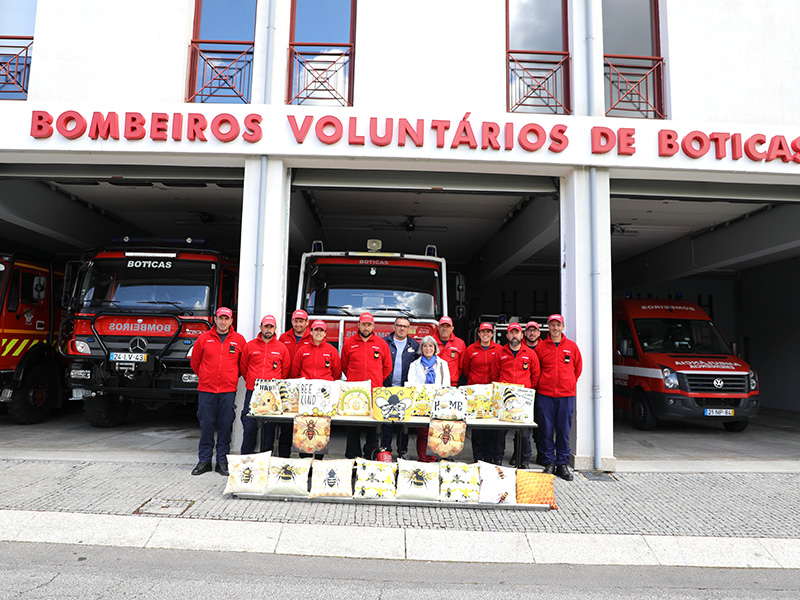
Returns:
(518,405)
(423,398)
(449,403)
(332,478)
(247,473)
(375,479)
(479,400)
(290,393)
(311,434)
(460,482)
(535,488)
(355,398)
(446,438)
(392,403)
(499,391)
(266,398)
(318,397)
(288,477)
(498,484)
(417,480)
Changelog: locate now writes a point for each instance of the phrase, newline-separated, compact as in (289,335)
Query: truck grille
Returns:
(717,402)
(716,384)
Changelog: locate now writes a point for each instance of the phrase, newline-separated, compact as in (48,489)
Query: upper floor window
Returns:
(322,52)
(221,57)
(634,68)
(537,48)
(16,41)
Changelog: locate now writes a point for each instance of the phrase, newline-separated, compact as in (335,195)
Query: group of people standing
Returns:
(551,366)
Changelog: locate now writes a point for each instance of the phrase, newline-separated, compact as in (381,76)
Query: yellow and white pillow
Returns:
(247,473)
(332,478)
(375,479)
(460,482)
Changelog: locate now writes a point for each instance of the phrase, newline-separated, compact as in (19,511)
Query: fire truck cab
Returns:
(134,316)
(672,363)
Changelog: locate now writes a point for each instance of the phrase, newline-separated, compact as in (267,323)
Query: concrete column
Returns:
(577,304)
(260,42)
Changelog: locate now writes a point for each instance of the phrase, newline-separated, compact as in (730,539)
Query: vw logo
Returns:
(718,383)
(139,345)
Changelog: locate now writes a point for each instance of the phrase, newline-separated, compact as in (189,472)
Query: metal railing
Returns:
(15,66)
(221,71)
(320,74)
(634,86)
(539,82)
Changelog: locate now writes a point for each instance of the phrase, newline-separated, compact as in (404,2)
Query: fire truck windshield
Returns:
(185,285)
(351,289)
(680,336)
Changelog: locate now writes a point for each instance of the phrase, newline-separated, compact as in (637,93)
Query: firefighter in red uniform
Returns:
(451,348)
(317,359)
(298,334)
(215,359)
(480,364)
(561,366)
(365,356)
(264,358)
(518,364)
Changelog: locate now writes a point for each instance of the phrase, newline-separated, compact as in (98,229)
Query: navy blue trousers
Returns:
(387,432)
(554,416)
(250,432)
(216,413)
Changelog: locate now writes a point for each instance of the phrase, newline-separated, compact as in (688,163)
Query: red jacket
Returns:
(481,364)
(216,362)
(317,362)
(522,368)
(558,378)
(288,338)
(370,359)
(265,360)
(452,352)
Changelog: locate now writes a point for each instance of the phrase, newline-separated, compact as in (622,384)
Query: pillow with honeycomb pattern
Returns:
(535,488)
(332,478)
(247,473)
(498,484)
(288,477)
(375,479)
(417,480)
(460,482)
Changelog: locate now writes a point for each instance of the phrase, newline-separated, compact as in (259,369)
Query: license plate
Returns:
(128,357)
(719,412)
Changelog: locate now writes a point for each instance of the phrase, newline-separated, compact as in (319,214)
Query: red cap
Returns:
(366,318)
(446,321)
(269,320)
(558,318)
(224,311)
(319,325)
(486,326)
(514,326)
(300,314)
(533,324)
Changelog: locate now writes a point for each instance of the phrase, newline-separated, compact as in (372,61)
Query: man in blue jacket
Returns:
(404,351)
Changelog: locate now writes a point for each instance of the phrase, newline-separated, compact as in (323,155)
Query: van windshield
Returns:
(680,336)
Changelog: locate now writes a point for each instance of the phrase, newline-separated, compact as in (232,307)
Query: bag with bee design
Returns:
(318,397)
(311,434)
(392,403)
(446,437)
(266,398)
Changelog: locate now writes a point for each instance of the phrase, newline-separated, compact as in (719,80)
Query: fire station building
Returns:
(559,153)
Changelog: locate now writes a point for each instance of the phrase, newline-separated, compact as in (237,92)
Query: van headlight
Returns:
(753,381)
(82,347)
(670,378)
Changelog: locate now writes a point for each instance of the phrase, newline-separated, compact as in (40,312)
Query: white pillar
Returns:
(576,303)
(586,52)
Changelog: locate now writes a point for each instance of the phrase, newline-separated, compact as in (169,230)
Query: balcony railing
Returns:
(634,86)
(15,66)
(538,82)
(221,71)
(321,74)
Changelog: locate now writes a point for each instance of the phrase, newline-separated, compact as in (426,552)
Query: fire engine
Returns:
(336,287)
(134,314)
(30,371)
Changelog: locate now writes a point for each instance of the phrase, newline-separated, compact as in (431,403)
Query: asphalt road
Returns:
(34,571)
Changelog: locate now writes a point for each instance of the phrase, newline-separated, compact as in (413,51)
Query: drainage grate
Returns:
(598,476)
(159,506)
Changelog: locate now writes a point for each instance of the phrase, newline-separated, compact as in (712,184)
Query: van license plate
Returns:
(719,412)
(128,357)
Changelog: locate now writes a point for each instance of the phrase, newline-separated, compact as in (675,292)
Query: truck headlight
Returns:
(670,378)
(82,347)
(753,381)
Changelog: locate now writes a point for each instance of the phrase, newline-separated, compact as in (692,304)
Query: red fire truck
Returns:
(336,287)
(134,315)
(30,371)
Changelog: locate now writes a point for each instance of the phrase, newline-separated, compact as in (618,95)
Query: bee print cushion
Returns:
(332,478)
(375,479)
(498,484)
(288,477)
(460,482)
(417,480)
(247,473)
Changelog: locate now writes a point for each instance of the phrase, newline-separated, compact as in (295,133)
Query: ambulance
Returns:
(672,363)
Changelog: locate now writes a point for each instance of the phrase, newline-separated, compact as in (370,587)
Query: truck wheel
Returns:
(31,402)
(643,417)
(106,410)
(736,426)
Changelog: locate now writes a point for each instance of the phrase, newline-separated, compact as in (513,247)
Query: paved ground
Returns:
(64,482)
